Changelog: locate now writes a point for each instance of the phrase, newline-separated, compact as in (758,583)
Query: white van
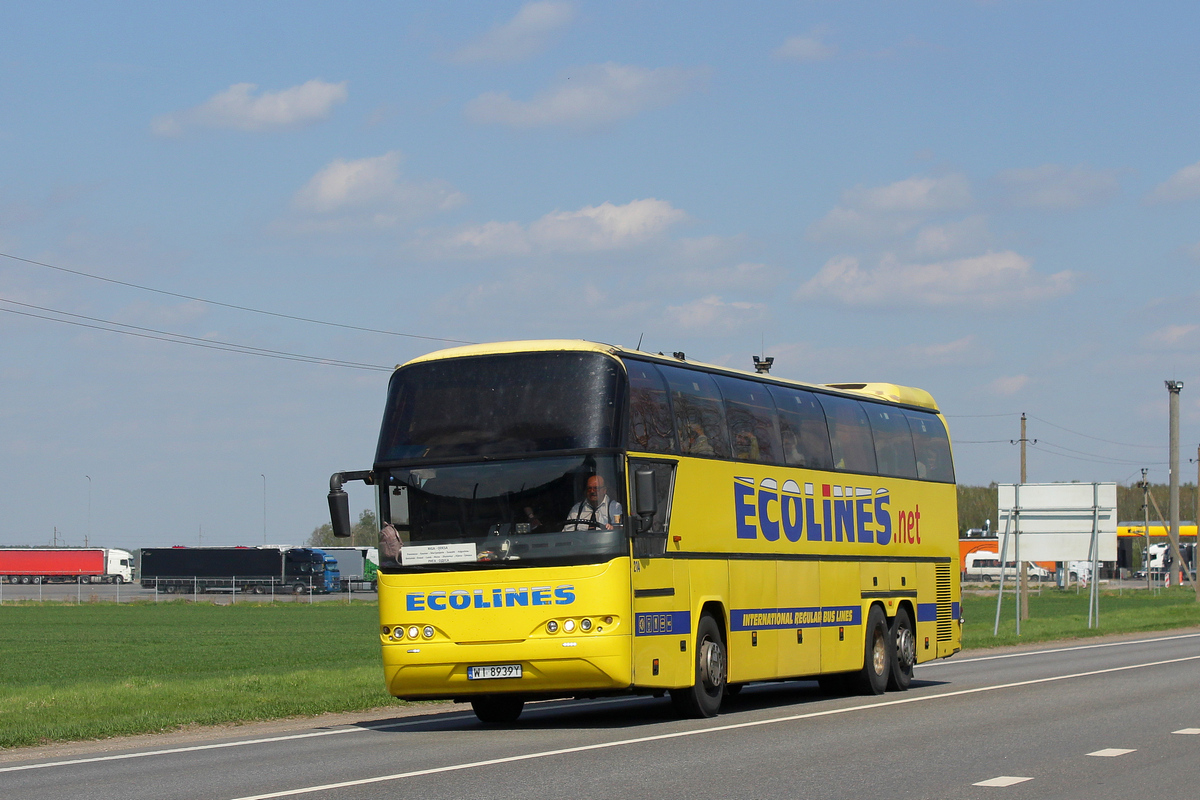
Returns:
(985,566)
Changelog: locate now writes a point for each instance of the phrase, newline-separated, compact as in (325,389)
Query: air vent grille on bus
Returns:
(945,604)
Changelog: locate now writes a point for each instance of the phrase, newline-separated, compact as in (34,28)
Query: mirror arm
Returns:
(339,502)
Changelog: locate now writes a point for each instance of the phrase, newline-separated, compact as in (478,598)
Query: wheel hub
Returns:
(712,664)
(906,647)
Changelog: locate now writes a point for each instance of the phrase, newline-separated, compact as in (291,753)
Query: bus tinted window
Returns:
(893,443)
(932,447)
(750,412)
(649,412)
(849,434)
(493,405)
(699,416)
(805,436)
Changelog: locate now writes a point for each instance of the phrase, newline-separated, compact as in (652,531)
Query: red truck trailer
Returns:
(65,565)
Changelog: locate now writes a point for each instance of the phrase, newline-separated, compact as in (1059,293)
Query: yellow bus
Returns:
(571,519)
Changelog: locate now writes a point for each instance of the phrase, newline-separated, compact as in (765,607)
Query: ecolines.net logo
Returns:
(814,513)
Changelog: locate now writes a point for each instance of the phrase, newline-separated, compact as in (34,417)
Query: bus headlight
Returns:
(414,632)
(585,625)
(568,626)
(428,632)
(552,626)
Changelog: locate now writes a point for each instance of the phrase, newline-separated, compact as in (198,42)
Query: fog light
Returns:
(413,632)
(569,626)
(552,626)
(428,631)
(608,620)
(585,625)
(386,630)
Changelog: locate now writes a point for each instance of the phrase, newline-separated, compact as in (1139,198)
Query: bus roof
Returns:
(889,392)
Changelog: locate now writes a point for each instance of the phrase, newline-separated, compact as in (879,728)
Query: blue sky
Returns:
(995,201)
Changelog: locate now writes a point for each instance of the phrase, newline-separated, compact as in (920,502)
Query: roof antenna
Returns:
(763,366)
(639,345)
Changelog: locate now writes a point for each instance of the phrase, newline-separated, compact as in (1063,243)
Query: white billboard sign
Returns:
(1055,520)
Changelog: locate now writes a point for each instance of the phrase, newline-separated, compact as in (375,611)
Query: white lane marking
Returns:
(1003,780)
(1112,752)
(311,734)
(701,731)
(946,662)
(1188,731)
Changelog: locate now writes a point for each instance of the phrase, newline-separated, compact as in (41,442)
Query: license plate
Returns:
(494,671)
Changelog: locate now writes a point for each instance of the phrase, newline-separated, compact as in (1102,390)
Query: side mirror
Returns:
(339,502)
(339,513)
(645,486)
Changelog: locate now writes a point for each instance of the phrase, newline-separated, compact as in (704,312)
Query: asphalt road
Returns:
(1114,719)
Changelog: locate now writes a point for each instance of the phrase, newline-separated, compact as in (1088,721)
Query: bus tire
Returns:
(703,698)
(904,651)
(497,709)
(877,654)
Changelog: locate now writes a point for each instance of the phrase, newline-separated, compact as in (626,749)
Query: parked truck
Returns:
(65,565)
(255,570)
(358,567)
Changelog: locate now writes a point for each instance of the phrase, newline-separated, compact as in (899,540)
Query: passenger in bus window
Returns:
(695,441)
(597,511)
(745,446)
(389,546)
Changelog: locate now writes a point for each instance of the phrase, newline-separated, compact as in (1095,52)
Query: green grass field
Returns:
(100,669)
(95,670)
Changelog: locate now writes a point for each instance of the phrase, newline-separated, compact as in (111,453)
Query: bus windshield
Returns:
(516,512)
(502,405)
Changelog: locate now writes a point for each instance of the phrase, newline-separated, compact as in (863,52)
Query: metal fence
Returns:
(225,591)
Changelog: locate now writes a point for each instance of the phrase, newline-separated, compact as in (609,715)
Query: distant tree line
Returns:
(365,533)
(979,503)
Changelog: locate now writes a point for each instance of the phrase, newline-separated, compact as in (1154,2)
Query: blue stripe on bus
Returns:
(926,612)
(955,611)
(765,619)
(662,623)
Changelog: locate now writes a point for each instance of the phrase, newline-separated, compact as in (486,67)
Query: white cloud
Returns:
(893,209)
(588,98)
(1182,186)
(589,229)
(1008,385)
(970,234)
(745,277)
(239,109)
(713,315)
(369,192)
(1171,336)
(991,279)
(1054,187)
(806,48)
(941,353)
(524,36)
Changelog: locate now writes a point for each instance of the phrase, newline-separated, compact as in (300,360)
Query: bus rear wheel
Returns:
(703,698)
(904,651)
(498,709)
(877,655)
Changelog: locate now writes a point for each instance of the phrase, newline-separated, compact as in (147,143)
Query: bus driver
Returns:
(596,511)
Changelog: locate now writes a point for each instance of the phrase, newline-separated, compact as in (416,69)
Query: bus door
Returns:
(662,621)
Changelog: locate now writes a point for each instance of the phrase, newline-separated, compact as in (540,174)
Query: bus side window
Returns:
(802,426)
(932,446)
(660,524)
(753,424)
(699,412)
(893,442)
(849,434)
(649,412)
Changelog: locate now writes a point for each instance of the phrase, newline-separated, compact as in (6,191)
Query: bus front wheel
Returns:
(703,698)
(904,651)
(497,709)
(877,655)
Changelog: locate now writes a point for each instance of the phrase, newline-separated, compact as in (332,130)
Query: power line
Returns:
(233,305)
(209,344)
(976,416)
(1094,457)
(1097,438)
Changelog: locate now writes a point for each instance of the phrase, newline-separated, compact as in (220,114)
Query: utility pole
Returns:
(264,477)
(1173,389)
(1145,487)
(1196,518)
(1022,570)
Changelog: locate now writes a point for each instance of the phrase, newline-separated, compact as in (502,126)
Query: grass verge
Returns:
(1058,614)
(98,670)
